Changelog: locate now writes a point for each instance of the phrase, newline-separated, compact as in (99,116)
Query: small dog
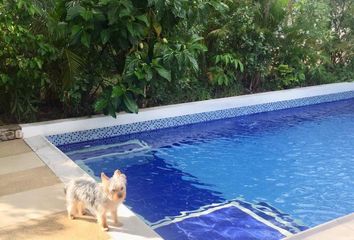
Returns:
(98,198)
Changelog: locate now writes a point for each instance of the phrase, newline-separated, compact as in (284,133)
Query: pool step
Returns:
(274,216)
(231,220)
(89,152)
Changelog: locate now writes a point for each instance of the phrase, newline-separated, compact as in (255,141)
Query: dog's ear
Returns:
(117,173)
(124,178)
(104,178)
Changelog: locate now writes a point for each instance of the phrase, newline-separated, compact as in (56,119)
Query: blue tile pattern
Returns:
(273,215)
(225,223)
(106,132)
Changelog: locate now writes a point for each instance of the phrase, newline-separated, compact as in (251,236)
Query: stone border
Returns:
(10,132)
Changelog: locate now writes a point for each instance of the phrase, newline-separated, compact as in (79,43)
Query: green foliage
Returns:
(24,55)
(241,33)
(286,77)
(225,69)
(89,56)
(116,98)
(129,40)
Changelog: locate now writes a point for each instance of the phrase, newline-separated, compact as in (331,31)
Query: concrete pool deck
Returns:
(32,202)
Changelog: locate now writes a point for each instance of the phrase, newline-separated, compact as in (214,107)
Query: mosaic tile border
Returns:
(106,132)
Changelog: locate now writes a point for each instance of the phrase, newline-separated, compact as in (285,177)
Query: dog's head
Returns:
(115,187)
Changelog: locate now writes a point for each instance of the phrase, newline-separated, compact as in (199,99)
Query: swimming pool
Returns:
(258,176)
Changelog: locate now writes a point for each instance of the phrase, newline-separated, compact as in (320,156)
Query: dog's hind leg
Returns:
(81,208)
(72,209)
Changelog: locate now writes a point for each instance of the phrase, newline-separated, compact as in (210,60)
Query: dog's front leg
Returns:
(102,219)
(114,215)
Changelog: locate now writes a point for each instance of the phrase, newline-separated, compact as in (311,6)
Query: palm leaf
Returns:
(74,65)
(220,32)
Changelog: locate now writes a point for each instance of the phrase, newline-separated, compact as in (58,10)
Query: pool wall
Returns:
(85,129)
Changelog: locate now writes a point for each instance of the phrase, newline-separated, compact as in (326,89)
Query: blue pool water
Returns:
(293,168)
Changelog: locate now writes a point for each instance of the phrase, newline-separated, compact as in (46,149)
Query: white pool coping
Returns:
(99,121)
(66,169)
(336,229)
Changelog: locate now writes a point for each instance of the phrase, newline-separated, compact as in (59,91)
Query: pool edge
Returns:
(343,225)
(186,113)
